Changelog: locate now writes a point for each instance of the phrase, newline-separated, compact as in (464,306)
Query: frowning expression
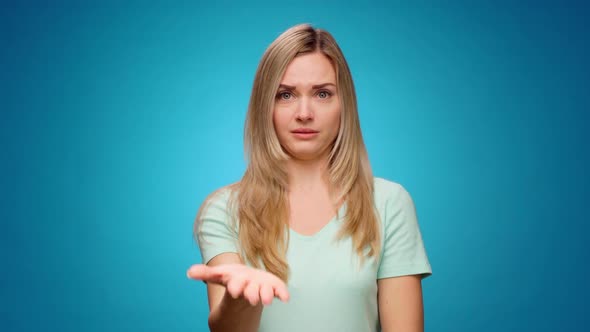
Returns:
(306,114)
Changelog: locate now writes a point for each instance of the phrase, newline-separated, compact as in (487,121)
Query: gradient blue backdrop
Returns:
(118,120)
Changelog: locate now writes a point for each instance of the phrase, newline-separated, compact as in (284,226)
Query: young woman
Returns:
(308,223)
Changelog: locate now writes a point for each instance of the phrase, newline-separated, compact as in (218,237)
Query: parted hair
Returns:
(259,202)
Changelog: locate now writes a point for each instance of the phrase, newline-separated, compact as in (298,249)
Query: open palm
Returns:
(254,285)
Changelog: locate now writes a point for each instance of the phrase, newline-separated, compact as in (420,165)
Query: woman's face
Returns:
(306,115)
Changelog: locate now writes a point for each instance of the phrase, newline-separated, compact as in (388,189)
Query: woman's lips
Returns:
(305,133)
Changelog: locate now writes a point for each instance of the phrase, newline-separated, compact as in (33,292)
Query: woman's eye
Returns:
(324,94)
(285,95)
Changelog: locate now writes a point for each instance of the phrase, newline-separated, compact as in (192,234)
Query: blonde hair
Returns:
(259,201)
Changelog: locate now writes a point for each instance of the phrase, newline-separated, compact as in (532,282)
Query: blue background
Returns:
(118,120)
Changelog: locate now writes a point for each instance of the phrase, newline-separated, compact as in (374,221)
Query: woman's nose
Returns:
(304,110)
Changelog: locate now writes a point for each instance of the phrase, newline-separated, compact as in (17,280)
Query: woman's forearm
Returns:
(232,315)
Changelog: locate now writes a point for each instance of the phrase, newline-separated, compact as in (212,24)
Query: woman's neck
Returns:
(307,175)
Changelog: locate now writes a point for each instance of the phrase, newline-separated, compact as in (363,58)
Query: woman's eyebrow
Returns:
(285,86)
(322,85)
(317,86)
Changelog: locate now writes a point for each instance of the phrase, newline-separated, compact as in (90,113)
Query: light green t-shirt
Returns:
(329,289)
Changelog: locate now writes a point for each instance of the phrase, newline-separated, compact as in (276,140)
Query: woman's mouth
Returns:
(304,133)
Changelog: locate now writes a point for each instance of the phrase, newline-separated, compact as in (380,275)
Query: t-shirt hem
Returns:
(207,256)
(421,269)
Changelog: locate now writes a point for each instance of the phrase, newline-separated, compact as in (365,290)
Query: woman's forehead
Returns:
(308,70)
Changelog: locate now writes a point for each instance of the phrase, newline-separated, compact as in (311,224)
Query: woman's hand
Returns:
(254,285)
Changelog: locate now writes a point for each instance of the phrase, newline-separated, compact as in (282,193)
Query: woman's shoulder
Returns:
(387,192)
(384,187)
(223,193)
(219,200)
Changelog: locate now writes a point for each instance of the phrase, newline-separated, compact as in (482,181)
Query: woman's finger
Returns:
(235,286)
(266,294)
(203,272)
(252,292)
(280,291)
(198,271)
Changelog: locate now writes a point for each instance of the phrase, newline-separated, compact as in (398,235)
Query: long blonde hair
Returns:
(259,201)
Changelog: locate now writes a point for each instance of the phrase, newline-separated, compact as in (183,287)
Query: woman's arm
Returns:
(226,313)
(400,304)
(236,293)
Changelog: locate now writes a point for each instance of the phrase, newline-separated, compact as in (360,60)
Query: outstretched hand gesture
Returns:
(254,285)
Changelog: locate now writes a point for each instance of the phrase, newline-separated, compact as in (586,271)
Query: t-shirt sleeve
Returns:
(216,233)
(403,251)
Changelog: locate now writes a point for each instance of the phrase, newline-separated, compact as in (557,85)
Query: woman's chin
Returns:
(307,155)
